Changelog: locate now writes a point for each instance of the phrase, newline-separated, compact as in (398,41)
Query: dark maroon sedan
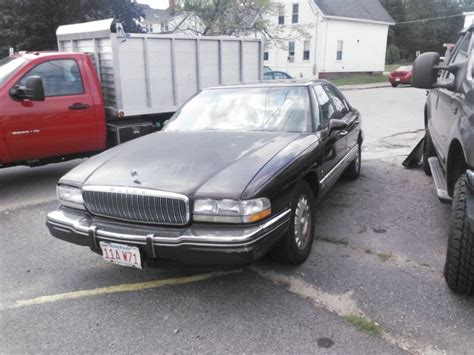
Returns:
(401,75)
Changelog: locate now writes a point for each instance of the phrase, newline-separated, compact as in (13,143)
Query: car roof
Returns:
(43,54)
(274,83)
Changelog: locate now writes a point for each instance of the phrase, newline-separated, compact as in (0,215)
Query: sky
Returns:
(155,4)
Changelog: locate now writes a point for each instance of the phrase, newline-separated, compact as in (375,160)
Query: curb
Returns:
(360,87)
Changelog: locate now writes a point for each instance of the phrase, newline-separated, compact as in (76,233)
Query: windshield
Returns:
(8,66)
(273,109)
(407,68)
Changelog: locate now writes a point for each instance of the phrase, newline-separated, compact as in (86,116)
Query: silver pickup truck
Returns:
(448,151)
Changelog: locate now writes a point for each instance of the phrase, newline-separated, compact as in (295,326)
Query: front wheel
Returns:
(394,85)
(295,246)
(353,170)
(459,267)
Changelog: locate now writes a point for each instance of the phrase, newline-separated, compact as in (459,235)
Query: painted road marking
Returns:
(342,305)
(120,288)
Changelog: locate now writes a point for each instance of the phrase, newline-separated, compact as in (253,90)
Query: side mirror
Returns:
(425,71)
(336,125)
(34,89)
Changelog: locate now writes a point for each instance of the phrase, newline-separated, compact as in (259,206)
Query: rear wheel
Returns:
(295,246)
(394,85)
(459,267)
(428,152)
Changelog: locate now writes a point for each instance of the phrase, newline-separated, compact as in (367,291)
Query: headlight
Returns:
(231,211)
(70,196)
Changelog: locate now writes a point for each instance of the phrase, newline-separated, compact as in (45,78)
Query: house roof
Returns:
(157,15)
(371,10)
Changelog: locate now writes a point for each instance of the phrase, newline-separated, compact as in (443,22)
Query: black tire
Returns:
(459,267)
(394,85)
(428,152)
(353,170)
(287,250)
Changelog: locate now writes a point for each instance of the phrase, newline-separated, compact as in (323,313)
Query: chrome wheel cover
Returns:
(302,222)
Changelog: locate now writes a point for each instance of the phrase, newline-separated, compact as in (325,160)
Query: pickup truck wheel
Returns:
(394,85)
(353,170)
(295,246)
(428,152)
(459,267)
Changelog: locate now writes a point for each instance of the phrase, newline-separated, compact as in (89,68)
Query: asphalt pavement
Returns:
(373,283)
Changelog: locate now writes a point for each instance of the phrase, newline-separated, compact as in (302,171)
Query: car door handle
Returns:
(343,133)
(78,106)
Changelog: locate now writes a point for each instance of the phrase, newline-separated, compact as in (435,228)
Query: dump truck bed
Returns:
(143,74)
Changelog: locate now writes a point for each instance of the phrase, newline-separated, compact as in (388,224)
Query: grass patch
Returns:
(364,325)
(384,256)
(358,80)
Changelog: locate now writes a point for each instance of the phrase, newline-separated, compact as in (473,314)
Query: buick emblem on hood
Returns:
(134,174)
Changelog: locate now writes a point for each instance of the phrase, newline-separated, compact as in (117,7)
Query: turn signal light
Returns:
(259,216)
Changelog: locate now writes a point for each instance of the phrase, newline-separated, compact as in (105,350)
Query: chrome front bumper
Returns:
(194,244)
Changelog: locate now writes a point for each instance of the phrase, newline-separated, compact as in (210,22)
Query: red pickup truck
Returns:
(105,87)
(59,116)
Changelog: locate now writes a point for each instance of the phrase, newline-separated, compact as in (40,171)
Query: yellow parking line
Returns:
(121,288)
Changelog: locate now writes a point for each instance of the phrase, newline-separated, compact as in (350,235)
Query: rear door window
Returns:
(279,75)
(60,77)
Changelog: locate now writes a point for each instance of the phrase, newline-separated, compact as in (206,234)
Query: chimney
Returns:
(172,7)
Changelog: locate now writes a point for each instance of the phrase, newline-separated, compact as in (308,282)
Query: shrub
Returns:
(393,54)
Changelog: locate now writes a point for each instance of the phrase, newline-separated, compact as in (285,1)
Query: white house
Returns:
(170,21)
(346,37)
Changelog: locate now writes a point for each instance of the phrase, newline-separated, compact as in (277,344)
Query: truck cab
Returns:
(51,108)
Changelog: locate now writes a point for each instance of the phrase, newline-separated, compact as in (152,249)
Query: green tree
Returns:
(32,24)
(396,9)
(393,54)
(230,17)
(425,25)
(243,17)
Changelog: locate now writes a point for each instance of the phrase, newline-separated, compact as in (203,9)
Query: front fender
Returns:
(280,175)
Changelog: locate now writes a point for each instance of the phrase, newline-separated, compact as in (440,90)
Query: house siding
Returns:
(364,47)
(364,44)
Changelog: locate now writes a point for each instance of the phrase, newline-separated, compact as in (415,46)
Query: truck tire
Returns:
(459,267)
(295,246)
(428,152)
(394,85)
(353,170)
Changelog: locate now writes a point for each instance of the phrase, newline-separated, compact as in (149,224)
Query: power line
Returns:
(428,19)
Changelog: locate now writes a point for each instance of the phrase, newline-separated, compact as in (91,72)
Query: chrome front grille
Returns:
(137,204)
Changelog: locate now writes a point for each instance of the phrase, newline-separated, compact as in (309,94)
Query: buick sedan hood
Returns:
(210,164)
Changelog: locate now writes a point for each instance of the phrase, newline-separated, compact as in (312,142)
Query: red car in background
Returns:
(401,75)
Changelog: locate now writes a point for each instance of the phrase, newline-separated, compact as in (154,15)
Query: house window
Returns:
(339,50)
(306,50)
(164,26)
(291,49)
(281,14)
(296,9)
(265,52)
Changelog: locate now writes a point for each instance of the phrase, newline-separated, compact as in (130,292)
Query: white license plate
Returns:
(397,79)
(121,254)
